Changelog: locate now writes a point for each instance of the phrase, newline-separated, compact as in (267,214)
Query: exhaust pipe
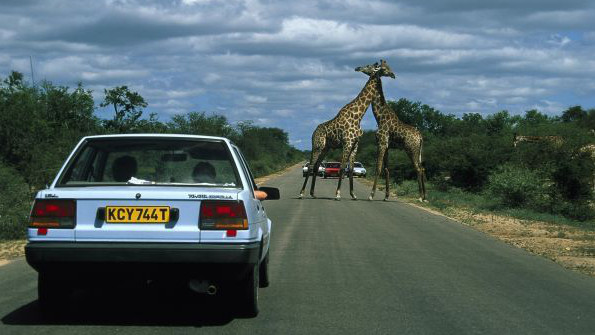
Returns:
(202,286)
(212,290)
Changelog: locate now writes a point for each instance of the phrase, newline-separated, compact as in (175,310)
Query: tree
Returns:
(199,123)
(575,113)
(127,108)
(534,117)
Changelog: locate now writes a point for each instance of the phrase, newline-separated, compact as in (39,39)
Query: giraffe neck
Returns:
(379,106)
(360,104)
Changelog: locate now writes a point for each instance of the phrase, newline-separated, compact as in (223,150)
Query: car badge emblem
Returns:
(138,195)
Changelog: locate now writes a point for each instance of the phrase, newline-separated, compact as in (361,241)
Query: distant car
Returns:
(175,208)
(307,165)
(358,170)
(331,169)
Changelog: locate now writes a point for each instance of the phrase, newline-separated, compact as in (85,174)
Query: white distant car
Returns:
(306,166)
(358,170)
(152,207)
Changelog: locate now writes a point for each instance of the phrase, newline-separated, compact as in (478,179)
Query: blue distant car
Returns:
(152,207)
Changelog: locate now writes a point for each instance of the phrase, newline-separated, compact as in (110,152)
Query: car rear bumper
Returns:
(334,173)
(143,259)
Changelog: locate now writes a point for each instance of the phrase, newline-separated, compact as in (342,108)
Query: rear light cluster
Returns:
(223,215)
(53,214)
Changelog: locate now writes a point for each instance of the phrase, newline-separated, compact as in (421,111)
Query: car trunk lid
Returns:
(136,213)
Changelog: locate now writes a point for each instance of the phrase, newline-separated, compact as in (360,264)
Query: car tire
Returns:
(52,294)
(324,176)
(249,293)
(263,279)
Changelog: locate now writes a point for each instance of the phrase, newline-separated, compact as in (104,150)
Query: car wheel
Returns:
(249,293)
(324,176)
(52,294)
(264,272)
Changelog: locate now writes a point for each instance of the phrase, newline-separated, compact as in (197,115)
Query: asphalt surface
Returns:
(342,267)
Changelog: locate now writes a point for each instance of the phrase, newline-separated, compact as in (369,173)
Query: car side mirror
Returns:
(272,193)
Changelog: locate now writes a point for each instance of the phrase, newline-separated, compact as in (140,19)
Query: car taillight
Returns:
(52,214)
(223,215)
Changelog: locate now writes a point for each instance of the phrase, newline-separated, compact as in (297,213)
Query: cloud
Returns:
(254,99)
(291,64)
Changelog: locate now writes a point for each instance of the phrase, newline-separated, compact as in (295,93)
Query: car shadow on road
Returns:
(126,308)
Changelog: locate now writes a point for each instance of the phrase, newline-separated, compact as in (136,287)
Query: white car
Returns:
(306,166)
(152,207)
(358,169)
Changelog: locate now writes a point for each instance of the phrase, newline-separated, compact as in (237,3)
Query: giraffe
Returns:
(343,131)
(555,140)
(394,133)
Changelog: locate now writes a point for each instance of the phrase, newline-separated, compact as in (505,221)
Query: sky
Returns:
(290,64)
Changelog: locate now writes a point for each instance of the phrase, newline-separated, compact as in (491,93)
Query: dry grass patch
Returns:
(11,249)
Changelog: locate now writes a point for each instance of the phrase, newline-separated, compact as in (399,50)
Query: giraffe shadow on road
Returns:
(310,198)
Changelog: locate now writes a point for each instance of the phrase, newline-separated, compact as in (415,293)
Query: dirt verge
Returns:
(10,250)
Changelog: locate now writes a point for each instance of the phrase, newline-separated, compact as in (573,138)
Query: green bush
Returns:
(515,186)
(14,204)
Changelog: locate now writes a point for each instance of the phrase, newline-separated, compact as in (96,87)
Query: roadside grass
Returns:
(455,199)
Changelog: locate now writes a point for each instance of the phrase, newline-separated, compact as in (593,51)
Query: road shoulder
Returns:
(569,246)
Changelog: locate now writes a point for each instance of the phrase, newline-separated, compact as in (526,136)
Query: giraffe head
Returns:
(382,69)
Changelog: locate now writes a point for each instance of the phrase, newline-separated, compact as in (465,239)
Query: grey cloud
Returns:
(291,64)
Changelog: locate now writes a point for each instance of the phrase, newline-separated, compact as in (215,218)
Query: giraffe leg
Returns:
(351,159)
(380,154)
(314,155)
(316,166)
(386,176)
(423,184)
(416,159)
(347,148)
(420,182)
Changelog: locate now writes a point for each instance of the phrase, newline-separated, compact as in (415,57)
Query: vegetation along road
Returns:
(343,267)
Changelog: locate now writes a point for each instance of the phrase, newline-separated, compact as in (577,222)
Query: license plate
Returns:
(137,214)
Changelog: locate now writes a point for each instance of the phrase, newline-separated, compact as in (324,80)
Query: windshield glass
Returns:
(333,165)
(155,161)
(357,165)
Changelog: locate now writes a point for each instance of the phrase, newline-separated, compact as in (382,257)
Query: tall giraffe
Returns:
(343,131)
(555,140)
(394,133)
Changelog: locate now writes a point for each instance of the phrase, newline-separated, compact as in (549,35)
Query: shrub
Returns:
(515,186)
(14,204)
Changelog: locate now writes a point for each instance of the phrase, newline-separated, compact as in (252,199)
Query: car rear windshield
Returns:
(333,165)
(154,161)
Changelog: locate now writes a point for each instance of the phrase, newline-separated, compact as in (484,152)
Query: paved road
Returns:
(344,267)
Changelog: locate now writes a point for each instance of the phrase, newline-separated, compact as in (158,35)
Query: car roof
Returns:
(158,136)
